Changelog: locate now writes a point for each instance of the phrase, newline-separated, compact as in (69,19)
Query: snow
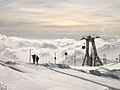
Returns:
(18,74)
(25,76)
(108,71)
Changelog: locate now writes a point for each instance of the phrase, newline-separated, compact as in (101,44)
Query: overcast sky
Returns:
(22,17)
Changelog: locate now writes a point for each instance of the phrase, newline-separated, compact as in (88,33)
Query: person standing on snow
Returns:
(37,59)
(34,58)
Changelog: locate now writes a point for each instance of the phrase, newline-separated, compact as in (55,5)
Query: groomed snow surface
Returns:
(18,74)
(25,76)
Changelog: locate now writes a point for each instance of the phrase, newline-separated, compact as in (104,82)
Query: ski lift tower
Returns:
(93,58)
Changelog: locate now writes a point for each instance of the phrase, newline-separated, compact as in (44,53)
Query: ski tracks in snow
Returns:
(72,74)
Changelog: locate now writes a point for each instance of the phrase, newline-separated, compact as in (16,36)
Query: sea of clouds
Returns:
(19,49)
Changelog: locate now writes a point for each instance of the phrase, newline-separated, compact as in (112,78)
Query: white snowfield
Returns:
(24,76)
(16,74)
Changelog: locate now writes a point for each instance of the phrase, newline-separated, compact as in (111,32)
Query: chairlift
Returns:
(97,36)
(66,53)
(83,47)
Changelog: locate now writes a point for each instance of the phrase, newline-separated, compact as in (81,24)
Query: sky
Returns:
(34,17)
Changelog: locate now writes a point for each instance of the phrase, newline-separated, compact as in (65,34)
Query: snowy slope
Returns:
(35,77)
(112,50)
(17,74)
(24,76)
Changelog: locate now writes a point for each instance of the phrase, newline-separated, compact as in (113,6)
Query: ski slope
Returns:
(24,76)
(18,74)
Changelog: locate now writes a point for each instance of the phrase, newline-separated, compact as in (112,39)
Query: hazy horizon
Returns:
(71,17)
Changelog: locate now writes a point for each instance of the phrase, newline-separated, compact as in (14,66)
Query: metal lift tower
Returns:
(93,58)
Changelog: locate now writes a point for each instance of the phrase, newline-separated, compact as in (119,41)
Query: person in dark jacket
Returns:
(34,57)
(37,59)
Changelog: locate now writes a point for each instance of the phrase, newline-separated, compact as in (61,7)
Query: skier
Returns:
(37,59)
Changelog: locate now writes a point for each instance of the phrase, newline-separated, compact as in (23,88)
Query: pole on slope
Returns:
(30,56)
(55,59)
(104,58)
(66,54)
(116,60)
(119,59)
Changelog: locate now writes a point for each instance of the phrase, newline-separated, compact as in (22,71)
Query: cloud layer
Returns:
(32,16)
(19,49)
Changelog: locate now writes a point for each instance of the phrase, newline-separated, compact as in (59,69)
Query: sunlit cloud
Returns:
(33,10)
(59,16)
